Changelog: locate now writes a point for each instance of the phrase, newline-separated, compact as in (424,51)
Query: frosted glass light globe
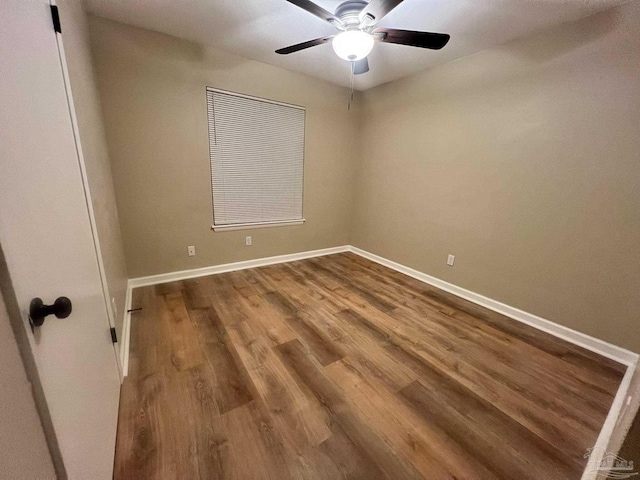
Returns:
(352,45)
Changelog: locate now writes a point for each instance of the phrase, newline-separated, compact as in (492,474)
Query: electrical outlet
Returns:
(247,241)
(450,260)
(191,250)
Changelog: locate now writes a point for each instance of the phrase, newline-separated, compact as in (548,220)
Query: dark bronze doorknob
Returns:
(61,308)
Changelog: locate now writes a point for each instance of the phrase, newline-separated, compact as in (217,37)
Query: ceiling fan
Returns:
(356,20)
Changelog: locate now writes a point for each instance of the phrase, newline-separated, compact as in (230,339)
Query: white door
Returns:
(46,235)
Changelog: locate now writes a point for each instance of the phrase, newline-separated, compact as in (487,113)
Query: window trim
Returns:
(247,226)
(275,223)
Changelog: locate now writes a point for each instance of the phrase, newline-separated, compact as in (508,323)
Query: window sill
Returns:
(247,226)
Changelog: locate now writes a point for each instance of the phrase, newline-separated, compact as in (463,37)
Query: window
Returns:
(257,158)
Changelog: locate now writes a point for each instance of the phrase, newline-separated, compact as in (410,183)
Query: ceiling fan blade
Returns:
(316,10)
(361,66)
(434,41)
(303,45)
(377,9)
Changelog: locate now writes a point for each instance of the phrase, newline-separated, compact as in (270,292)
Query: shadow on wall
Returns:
(173,49)
(151,43)
(566,38)
(512,62)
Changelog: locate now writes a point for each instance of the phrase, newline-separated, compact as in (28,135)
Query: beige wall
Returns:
(153,96)
(524,162)
(95,151)
(23,449)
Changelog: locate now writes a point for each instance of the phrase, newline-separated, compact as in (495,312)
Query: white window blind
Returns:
(257,159)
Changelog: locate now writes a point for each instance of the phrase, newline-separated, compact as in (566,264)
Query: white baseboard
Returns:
(230,267)
(596,345)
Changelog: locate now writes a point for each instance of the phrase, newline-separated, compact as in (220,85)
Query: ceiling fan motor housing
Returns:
(349,13)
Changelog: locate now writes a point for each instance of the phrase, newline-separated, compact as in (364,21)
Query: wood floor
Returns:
(337,367)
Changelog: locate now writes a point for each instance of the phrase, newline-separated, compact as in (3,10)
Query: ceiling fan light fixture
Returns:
(353,45)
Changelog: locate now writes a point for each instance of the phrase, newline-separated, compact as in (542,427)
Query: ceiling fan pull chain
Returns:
(353,68)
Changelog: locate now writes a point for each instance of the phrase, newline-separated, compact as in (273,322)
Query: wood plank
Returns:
(318,309)
(429,449)
(230,388)
(180,346)
(198,409)
(362,437)
(252,448)
(372,298)
(227,303)
(366,351)
(309,295)
(423,354)
(255,280)
(556,389)
(297,417)
(169,287)
(266,320)
(144,334)
(140,451)
(486,433)
(322,347)
(195,294)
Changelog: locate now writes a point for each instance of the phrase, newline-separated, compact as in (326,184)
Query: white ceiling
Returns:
(256,28)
